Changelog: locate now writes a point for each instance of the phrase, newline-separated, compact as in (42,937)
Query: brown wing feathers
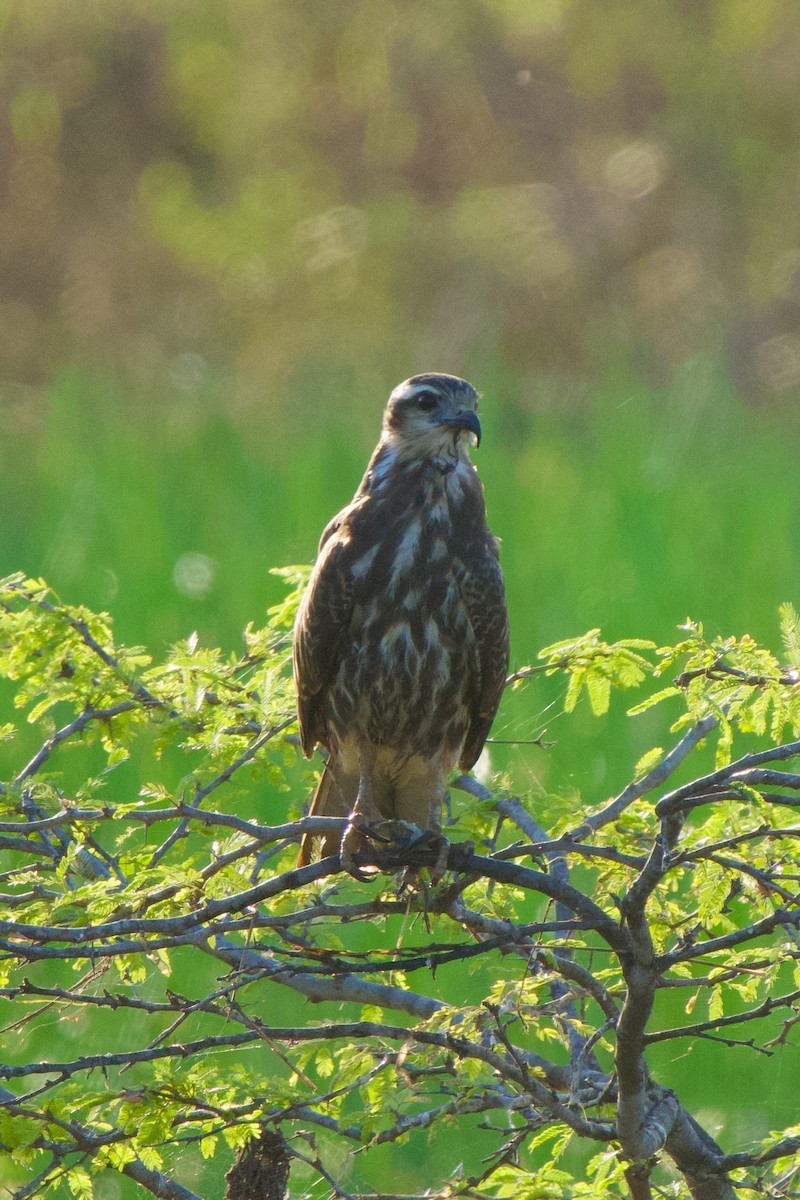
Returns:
(322,625)
(484,597)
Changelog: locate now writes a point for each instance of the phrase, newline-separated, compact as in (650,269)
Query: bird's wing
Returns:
(320,629)
(485,601)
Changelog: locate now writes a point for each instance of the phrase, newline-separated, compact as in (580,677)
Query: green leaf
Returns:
(16,1131)
(576,682)
(325,1063)
(208,1146)
(790,633)
(711,889)
(599,689)
(80,1183)
(715,1005)
(570,646)
(646,763)
(657,698)
(151,1157)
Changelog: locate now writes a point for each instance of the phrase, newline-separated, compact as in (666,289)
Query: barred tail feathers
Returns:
(328,801)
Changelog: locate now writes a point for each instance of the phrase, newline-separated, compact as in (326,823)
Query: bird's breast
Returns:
(410,663)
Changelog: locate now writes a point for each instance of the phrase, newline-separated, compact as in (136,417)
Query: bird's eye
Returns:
(426,401)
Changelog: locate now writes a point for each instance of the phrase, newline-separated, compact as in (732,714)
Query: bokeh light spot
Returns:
(193,574)
(636,170)
(668,274)
(778,361)
(188,371)
(332,237)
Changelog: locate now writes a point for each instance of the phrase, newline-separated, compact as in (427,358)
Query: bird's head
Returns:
(433,417)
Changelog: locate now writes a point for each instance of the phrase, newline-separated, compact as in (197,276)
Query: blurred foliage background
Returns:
(229,227)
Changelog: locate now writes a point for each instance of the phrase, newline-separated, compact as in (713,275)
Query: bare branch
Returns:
(698,1157)
(781,1149)
(653,779)
(752,1014)
(67,731)
(708,785)
(224,776)
(685,953)
(337,987)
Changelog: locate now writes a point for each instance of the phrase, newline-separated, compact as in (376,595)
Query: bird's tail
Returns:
(328,802)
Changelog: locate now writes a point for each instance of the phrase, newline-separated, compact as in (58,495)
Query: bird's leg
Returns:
(365,812)
(434,839)
(419,803)
(437,839)
(442,847)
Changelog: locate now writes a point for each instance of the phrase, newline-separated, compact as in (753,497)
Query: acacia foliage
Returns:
(158,946)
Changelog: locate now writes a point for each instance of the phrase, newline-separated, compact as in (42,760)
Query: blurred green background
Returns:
(229,227)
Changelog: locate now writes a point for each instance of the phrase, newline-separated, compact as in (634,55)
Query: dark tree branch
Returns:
(224,776)
(67,731)
(708,783)
(753,1014)
(648,783)
(698,1157)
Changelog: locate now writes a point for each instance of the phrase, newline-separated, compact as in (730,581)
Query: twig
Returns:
(653,779)
(752,1014)
(223,777)
(67,731)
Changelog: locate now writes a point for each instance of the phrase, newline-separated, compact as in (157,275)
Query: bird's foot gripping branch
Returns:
(179,993)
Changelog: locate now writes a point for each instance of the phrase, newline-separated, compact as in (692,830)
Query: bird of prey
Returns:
(401,638)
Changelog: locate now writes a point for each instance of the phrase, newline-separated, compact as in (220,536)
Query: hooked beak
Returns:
(466,420)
